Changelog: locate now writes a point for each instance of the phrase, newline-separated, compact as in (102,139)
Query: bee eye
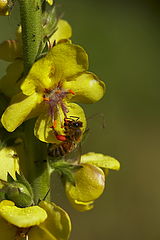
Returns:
(76,124)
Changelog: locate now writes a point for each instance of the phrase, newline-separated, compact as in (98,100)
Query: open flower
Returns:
(89,180)
(46,221)
(49,90)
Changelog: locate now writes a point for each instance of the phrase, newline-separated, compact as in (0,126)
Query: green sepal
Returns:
(66,170)
(23,180)
(2,195)
(19,191)
(19,194)
(10,179)
(49,21)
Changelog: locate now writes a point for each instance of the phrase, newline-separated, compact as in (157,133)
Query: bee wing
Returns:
(75,155)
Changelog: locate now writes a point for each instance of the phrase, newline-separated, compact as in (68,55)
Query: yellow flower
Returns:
(52,85)
(89,180)
(46,221)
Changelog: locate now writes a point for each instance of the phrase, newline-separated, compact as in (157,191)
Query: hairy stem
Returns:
(38,173)
(34,164)
(31,21)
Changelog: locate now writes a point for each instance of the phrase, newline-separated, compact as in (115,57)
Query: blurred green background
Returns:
(122,40)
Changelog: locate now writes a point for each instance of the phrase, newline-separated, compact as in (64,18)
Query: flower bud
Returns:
(19,194)
(89,185)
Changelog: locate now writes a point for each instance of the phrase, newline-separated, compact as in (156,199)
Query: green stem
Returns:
(31,21)
(36,166)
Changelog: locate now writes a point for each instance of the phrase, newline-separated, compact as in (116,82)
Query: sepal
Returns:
(19,191)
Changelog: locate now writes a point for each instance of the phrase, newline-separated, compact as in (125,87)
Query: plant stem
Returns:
(37,167)
(31,21)
(34,166)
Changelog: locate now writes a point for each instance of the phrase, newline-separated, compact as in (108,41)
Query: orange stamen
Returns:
(46,99)
(58,91)
(54,124)
(71,91)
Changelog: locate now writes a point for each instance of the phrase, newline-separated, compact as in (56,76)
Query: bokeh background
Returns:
(122,40)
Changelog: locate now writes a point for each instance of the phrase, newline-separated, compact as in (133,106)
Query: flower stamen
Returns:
(71,91)
(55,98)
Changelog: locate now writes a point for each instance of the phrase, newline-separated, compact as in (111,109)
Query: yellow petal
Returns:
(69,59)
(10,50)
(81,206)
(57,223)
(23,217)
(87,87)
(43,130)
(8,231)
(9,162)
(64,60)
(89,184)
(9,84)
(100,160)
(21,108)
(40,77)
(6,203)
(63,31)
(50,2)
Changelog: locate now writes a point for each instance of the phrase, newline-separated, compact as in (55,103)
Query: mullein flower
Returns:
(46,221)
(50,89)
(89,180)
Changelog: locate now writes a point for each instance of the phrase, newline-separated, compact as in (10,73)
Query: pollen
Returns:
(71,91)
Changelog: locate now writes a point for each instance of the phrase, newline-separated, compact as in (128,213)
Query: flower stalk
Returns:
(31,21)
(36,165)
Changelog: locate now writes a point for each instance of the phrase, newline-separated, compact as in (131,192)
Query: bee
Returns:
(70,140)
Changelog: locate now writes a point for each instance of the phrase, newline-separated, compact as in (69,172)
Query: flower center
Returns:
(54,97)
